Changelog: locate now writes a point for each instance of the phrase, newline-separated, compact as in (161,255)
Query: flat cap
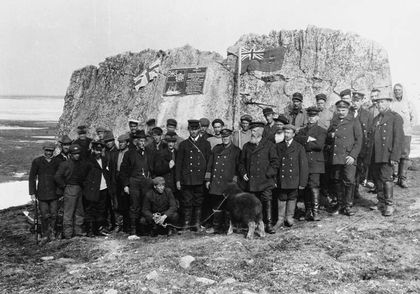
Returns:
(108,136)
(133,121)
(49,147)
(257,124)
(312,110)
(289,127)
(194,124)
(82,129)
(171,122)
(65,140)
(358,96)
(226,132)
(98,144)
(342,104)
(75,149)
(281,118)
(151,122)
(124,137)
(345,92)
(170,137)
(246,117)
(268,110)
(297,96)
(321,96)
(139,134)
(204,122)
(158,181)
(100,129)
(382,98)
(157,131)
(217,120)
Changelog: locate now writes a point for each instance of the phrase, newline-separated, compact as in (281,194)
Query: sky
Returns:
(42,42)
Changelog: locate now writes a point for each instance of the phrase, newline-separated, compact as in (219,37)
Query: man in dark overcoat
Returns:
(190,168)
(386,147)
(292,175)
(42,187)
(222,169)
(312,137)
(164,162)
(345,142)
(258,167)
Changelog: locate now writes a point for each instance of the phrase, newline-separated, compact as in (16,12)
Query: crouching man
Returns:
(159,207)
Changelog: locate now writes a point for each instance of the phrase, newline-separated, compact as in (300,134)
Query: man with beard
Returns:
(294,112)
(386,139)
(216,139)
(83,141)
(171,125)
(69,177)
(133,124)
(270,127)
(292,176)
(404,108)
(365,119)
(222,169)
(258,168)
(312,137)
(345,141)
(279,122)
(204,128)
(136,169)
(96,190)
(43,169)
(325,114)
(65,143)
(242,136)
(190,168)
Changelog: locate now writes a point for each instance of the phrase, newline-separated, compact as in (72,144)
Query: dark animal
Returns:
(243,208)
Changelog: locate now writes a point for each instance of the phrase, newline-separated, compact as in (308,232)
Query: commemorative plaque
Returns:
(185,81)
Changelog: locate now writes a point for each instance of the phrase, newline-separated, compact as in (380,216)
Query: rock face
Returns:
(316,61)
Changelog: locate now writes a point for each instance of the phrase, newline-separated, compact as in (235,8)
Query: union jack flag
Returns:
(251,54)
(147,75)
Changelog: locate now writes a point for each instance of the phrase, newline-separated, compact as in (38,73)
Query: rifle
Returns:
(36,222)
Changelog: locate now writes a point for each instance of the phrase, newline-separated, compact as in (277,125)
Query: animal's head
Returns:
(232,189)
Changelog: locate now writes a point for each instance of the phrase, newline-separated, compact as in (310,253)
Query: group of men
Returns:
(152,179)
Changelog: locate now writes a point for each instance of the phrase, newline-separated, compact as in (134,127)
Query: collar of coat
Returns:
(384,117)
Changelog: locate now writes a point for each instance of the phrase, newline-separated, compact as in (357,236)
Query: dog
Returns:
(245,209)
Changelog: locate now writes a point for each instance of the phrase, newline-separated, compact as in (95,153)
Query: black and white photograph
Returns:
(244,147)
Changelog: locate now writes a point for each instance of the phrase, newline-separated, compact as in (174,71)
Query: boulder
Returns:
(315,60)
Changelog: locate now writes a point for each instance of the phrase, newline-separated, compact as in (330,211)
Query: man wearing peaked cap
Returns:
(216,139)
(100,131)
(43,169)
(65,143)
(270,127)
(221,169)
(204,125)
(325,114)
(242,136)
(346,95)
(257,124)
(157,143)
(312,138)
(133,124)
(190,168)
(150,125)
(171,125)
(70,177)
(386,147)
(278,136)
(83,141)
(258,168)
(295,112)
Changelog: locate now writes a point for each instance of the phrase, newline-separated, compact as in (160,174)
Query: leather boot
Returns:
(308,205)
(197,219)
(402,173)
(290,211)
(89,229)
(348,200)
(339,194)
(281,214)
(133,227)
(187,219)
(217,223)
(267,212)
(315,203)
(389,198)
(380,196)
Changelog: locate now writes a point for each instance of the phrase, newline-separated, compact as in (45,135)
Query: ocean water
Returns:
(32,108)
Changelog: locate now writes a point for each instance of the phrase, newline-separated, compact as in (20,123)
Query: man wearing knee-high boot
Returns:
(345,140)
(258,167)
(386,139)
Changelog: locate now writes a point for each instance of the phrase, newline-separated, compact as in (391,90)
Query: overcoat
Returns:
(293,171)
(44,172)
(92,182)
(366,122)
(136,164)
(161,166)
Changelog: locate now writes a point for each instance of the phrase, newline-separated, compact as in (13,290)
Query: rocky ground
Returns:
(366,253)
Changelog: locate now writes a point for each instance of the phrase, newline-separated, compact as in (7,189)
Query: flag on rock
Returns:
(148,74)
(268,60)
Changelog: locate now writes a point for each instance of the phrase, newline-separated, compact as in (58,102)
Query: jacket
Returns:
(293,171)
(92,182)
(44,172)
(136,164)
(161,166)
(162,203)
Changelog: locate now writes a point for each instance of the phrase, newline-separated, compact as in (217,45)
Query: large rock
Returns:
(316,60)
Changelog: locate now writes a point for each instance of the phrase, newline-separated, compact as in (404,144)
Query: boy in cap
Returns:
(386,149)
(43,169)
(69,177)
(312,138)
(222,169)
(344,141)
(204,128)
(190,168)
(83,141)
(258,167)
(292,175)
(270,127)
(295,113)
(216,139)
(242,136)
(159,207)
